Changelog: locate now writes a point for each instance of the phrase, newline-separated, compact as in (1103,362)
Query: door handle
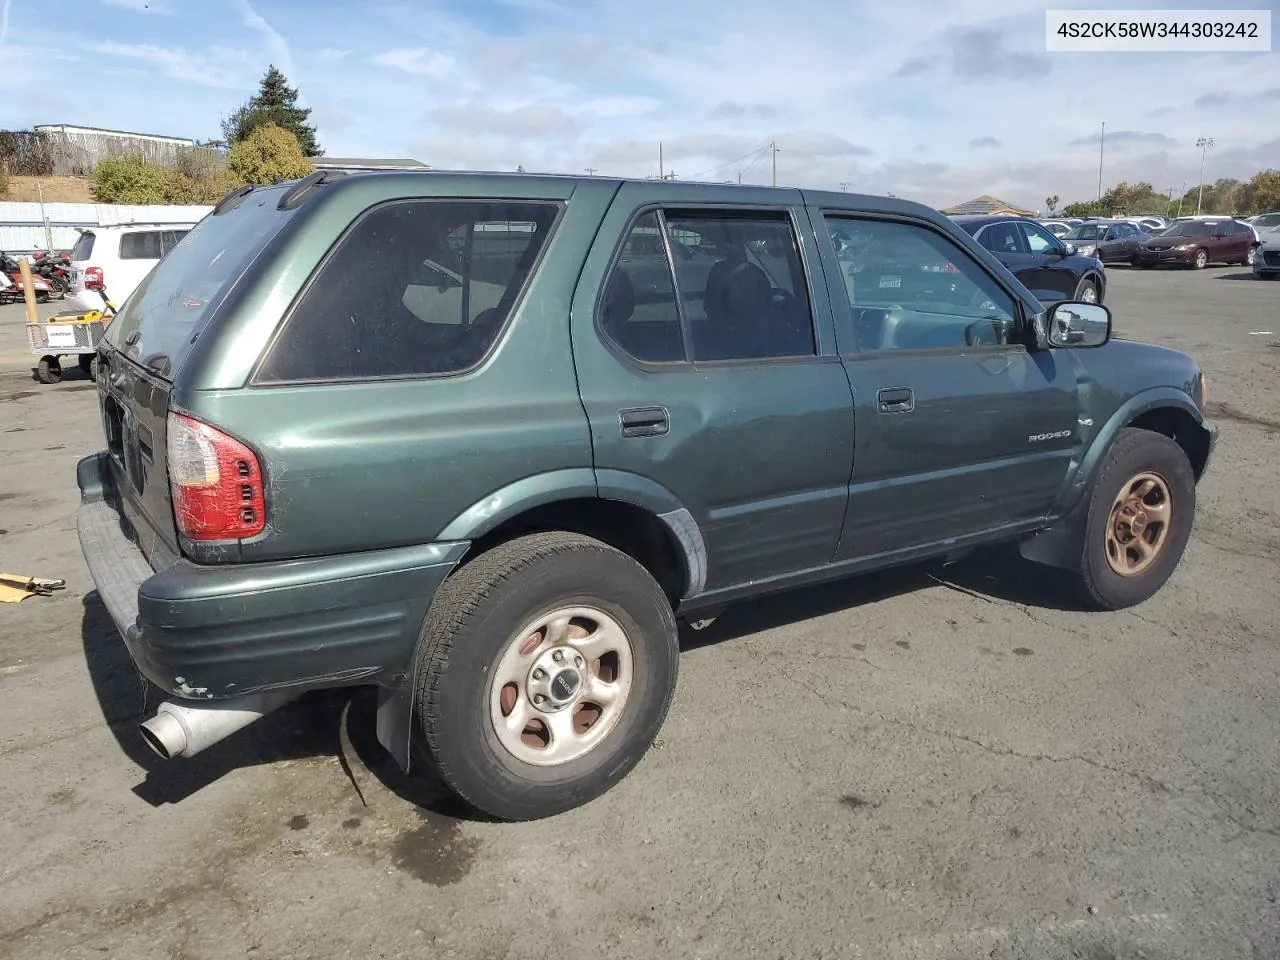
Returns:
(896,400)
(644,421)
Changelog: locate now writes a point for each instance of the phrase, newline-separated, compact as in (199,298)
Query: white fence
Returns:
(22,225)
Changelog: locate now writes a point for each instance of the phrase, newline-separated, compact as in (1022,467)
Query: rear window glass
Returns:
(414,288)
(83,249)
(140,245)
(160,320)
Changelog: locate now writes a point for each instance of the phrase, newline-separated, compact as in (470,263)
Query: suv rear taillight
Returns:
(216,483)
(93,279)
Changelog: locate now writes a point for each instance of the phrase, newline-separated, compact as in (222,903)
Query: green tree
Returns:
(1085,208)
(275,102)
(1261,194)
(130,179)
(1051,203)
(269,153)
(1220,197)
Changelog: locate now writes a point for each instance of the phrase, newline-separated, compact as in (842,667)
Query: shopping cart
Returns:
(73,333)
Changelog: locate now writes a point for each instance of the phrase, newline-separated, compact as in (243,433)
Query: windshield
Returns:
(1086,231)
(1193,228)
(160,321)
(1267,221)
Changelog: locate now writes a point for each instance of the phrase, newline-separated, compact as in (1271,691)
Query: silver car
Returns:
(1266,259)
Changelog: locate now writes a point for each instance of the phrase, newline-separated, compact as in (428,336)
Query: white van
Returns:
(118,257)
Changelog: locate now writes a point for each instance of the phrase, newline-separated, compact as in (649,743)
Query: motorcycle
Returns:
(13,290)
(56,269)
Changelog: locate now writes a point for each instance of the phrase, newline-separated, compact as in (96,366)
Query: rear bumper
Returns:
(228,630)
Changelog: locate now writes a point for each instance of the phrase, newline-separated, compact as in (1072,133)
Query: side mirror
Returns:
(1074,324)
(1069,247)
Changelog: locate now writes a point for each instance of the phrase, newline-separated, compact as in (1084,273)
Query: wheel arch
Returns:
(1164,410)
(630,513)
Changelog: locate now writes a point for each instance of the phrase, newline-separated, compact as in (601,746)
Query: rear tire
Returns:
(494,625)
(49,370)
(1249,257)
(1140,518)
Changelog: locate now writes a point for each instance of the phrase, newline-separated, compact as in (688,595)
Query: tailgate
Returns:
(135,404)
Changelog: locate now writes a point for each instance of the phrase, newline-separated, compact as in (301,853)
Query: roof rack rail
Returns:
(300,190)
(232,199)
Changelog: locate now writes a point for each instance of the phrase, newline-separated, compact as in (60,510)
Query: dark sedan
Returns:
(1197,243)
(1111,241)
(1050,268)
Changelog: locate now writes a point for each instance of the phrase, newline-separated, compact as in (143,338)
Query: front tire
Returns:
(1201,260)
(1087,292)
(1140,519)
(548,665)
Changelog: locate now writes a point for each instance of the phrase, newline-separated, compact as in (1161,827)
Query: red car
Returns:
(1197,243)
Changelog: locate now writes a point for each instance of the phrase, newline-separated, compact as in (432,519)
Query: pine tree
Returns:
(275,102)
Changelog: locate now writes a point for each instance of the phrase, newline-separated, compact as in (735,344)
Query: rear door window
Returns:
(414,288)
(140,245)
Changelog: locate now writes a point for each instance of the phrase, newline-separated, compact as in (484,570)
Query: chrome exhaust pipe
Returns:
(182,728)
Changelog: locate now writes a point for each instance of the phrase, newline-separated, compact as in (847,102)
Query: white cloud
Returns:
(275,42)
(428,63)
(218,67)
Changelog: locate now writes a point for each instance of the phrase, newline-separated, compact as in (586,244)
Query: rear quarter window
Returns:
(140,245)
(414,288)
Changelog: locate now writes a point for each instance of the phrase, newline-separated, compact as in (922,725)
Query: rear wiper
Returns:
(158,362)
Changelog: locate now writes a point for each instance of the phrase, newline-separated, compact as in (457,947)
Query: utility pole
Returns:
(591,171)
(1182,192)
(773,149)
(739,178)
(844,186)
(660,176)
(1204,143)
(1102,143)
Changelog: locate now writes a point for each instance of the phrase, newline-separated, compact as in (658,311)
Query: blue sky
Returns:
(937,100)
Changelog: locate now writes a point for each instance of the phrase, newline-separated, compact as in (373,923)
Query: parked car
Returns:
(1056,227)
(496,515)
(1264,222)
(119,257)
(1111,241)
(1048,267)
(1149,223)
(1266,260)
(1196,243)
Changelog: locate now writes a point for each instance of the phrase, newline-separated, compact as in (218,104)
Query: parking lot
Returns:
(926,763)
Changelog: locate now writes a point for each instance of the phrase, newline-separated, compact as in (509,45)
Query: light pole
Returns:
(844,186)
(1204,143)
(1102,142)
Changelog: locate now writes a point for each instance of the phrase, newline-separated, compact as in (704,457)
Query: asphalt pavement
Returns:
(927,763)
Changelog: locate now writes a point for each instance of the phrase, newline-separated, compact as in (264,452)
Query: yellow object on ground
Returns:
(15,587)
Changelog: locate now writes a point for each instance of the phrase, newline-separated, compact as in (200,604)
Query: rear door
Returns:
(707,365)
(961,430)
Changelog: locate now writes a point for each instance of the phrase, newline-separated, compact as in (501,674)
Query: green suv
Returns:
(482,441)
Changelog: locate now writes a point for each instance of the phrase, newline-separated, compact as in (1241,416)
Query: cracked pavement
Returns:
(931,762)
